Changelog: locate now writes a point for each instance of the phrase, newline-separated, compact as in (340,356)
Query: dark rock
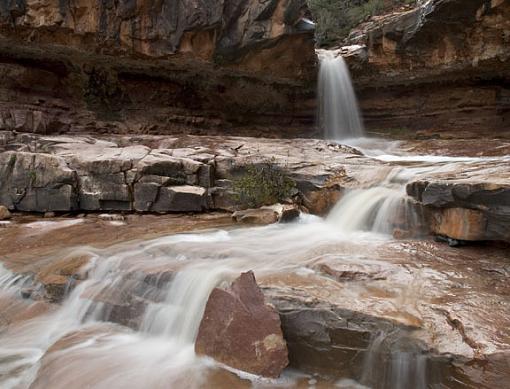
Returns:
(465,211)
(240,330)
(177,66)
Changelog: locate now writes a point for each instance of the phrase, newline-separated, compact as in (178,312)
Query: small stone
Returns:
(256,216)
(111,217)
(4,213)
(49,214)
(289,213)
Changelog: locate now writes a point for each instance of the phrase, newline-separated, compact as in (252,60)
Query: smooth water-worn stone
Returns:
(256,216)
(240,330)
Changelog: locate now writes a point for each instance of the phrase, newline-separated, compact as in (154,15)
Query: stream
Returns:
(131,320)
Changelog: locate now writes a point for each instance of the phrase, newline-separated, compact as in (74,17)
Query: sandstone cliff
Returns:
(153,66)
(443,65)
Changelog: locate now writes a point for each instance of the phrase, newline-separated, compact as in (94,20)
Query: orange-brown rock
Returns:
(464,210)
(59,277)
(240,330)
(460,223)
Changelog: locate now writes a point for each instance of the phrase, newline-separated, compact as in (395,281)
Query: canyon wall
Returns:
(147,66)
(443,65)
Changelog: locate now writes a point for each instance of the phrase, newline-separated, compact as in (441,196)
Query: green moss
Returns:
(263,184)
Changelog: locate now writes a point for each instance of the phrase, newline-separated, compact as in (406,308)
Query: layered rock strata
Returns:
(154,66)
(465,199)
(443,65)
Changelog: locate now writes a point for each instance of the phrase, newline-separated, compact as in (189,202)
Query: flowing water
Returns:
(158,290)
(133,321)
(339,115)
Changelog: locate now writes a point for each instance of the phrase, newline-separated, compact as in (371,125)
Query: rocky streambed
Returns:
(464,195)
(354,307)
(111,286)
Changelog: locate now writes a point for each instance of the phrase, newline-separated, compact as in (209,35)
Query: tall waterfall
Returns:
(339,115)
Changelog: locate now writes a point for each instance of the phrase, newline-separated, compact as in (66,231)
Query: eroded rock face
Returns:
(239,329)
(153,66)
(156,174)
(466,211)
(437,66)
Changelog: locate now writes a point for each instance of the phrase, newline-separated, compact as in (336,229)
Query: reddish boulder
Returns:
(240,330)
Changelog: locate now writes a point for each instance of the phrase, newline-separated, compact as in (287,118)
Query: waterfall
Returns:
(339,115)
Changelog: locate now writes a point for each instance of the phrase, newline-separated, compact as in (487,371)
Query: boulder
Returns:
(240,330)
(184,198)
(36,182)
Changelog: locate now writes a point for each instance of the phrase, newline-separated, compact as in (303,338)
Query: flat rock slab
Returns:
(240,330)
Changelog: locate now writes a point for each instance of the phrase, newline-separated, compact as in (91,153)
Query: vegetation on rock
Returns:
(263,184)
(335,18)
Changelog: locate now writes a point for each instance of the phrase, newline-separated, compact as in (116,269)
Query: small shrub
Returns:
(12,161)
(336,18)
(32,176)
(262,184)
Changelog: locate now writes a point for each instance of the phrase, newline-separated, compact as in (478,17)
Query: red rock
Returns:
(240,330)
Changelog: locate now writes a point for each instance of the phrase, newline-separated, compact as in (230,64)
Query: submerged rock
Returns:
(240,330)
(59,277)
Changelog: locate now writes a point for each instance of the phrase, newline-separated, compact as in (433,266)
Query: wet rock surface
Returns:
(465,199)
(240,330)
(408,309)
(391,312)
